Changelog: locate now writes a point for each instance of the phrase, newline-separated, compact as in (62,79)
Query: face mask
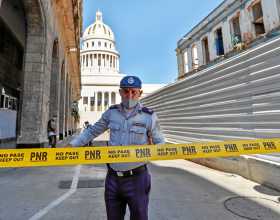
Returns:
(129,103)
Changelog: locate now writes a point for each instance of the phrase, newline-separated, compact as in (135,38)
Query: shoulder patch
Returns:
(147,110)
(114,107)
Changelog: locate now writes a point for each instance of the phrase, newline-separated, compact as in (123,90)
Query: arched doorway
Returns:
(12,48)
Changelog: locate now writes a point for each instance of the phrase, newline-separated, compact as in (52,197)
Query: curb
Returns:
(258,170)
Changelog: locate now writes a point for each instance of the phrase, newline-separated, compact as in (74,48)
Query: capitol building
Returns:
(100,72)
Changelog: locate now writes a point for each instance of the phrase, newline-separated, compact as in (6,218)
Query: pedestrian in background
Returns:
(130,123)
(52,132)
(86,126)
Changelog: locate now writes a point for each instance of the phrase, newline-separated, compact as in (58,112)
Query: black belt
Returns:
(127,173)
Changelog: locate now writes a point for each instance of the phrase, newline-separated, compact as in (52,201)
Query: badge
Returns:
(130,80)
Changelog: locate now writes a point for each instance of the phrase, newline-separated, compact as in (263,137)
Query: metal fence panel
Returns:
(238,98)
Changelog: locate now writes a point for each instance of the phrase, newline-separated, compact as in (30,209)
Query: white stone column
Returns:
(108,62)
(200,54)
(84,60)
(118,64)
(212,46)
(226,36)
(190,60)
(180,62)
(271,16)
(104,60)
(96,99)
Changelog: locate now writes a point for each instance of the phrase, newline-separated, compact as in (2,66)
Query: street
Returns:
(180,190)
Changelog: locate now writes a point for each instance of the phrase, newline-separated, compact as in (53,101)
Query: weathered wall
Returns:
(221,18)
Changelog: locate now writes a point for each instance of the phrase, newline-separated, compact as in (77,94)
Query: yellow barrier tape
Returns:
(143,153)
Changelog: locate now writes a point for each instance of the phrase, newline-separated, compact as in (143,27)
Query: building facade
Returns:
(39,69)
(232,27)
(100,70)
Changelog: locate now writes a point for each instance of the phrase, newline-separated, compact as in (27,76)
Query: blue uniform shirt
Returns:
(125,129)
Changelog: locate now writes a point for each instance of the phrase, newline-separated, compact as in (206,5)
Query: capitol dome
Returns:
(98,29)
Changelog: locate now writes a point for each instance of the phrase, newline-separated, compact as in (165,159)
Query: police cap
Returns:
(131,82)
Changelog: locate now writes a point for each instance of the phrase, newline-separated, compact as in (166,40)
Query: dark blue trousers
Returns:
(132,191)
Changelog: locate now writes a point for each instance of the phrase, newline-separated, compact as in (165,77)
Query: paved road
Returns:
(180,190)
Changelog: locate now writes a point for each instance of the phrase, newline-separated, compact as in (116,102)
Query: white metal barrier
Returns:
(238,98)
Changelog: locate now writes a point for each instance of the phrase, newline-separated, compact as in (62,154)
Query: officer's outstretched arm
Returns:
(157,136)
(92,131)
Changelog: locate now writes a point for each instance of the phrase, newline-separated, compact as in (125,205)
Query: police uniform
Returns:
(126,183)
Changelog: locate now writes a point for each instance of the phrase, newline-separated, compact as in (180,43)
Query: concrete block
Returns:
(264,172)
(258,170)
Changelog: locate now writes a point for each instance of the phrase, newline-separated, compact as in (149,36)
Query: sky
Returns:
(147,32)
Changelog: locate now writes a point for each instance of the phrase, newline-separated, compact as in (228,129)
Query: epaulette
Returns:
(147,110)
(114,107)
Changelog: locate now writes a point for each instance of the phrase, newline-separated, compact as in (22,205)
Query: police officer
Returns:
(130,123)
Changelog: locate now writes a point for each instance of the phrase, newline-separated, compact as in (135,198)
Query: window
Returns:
(114,62)
(89,30)
(99,44)
(85,100)
(8,102)
(103,58)
(235,31)
(87,45)
(205,50)
(105,44)
(92,43)
(258,19)
(194,57)
(219,42)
